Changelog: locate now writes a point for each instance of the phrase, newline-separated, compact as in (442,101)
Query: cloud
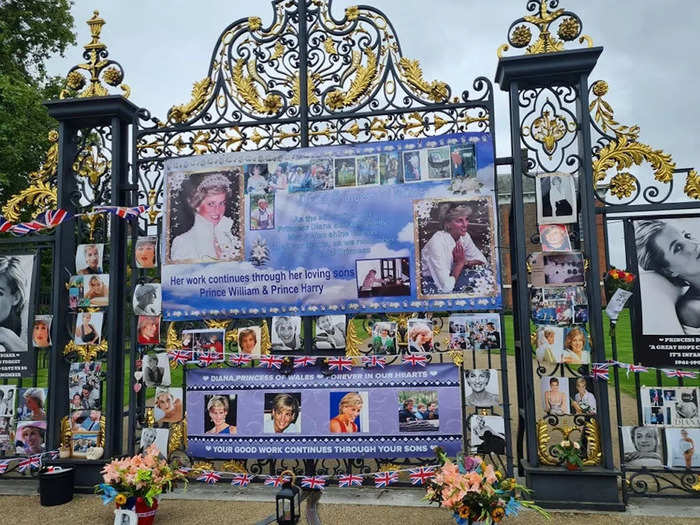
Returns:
(406,233)
(380,250)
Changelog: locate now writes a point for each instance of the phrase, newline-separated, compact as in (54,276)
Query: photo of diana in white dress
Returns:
(207,225)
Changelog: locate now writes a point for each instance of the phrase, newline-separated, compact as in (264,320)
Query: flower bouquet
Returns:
(475,491)
(614,279)
(134,483)
(569,452)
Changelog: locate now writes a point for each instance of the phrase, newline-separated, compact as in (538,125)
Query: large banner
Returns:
(668,260)
(371,413)
(391,226)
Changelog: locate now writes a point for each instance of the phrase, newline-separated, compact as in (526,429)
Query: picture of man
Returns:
(262,215)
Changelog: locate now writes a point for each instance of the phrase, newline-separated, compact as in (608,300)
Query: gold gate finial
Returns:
(542,19)
(98,67)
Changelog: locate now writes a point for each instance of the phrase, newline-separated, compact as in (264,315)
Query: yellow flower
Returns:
(120,499)
(464,512)
(497,514)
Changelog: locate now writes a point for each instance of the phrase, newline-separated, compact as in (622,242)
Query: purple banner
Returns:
(365,413)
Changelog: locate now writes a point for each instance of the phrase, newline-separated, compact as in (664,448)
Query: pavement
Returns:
(201,504)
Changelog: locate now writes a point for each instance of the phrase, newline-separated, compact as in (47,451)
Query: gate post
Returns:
(550,85)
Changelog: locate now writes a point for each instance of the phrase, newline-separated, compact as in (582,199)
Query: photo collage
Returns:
(643,447)
(85,403)
(22,420)
(475,331)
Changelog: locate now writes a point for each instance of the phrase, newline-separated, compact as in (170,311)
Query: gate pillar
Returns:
(548,98)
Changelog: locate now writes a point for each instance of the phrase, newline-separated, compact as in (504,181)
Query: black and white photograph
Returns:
(481,388)
(682,447)
(147,299)
(155,436)
(41,333)
(555,395)
(82,442)
(455,248)
(683,402)
(550,343)
(390,168)
(581,396)
(84,385)
(329,332)
(439,166)
(88,328)
(384,338)
(31,404)
(145,252)
(642,447)
(16,277)
(556,198)
(420,335)
(203,216)
(206,341)
(89,259)
(488,435)
(220,414)
(386,277)
(8,400)
(249,340)
(262,211)
(156,369)
(285,333)
(95,290)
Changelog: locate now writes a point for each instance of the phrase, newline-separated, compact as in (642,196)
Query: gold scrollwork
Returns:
(591,429)
(265,342)
(311,97)
(66,432)
(171,339)
(101,432)
(360,85)
(622,185)
(92,164)
(412,73)
(352,339)
(247,90)
(150,418)
(200,93)
(92,219)
(548,130)
(692,185)
(233,466)
(177,439)
(40,195)
(201,466)
(85,352)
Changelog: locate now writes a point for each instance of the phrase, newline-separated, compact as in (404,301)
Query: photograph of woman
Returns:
(147,298)
(156,369)
(204,218)
(582,399)
(41,333)
(488,435)
(145,251)
(642,447)
(390,168)
(680,443)
(88,259)
(88,328)
(556,198)
(576,348)
(30,437)
(554,238)
(220,417)
(249,340)
(411,166)
(155,436)
(256,178)
(96,290)
(15,286)
(7,400)
(556,400)
(384,338)
(345,419)
(282,413)
(148,330)
(481,388)
(420,335)
(168,405)
(330,332)
(450,259)
(286,333)
(31,404)
(669,277)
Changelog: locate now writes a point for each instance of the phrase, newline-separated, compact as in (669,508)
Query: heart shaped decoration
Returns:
(137,387)
(205,378)
(207,448)
(433,373)
(138,375)
(137,363)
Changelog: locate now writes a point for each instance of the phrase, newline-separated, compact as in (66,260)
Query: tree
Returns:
(31,31)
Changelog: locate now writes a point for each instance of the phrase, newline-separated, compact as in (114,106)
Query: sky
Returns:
(650,60)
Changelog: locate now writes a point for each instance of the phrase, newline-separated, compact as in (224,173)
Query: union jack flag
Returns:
(303,361)
(179,356)
(270,361)
(420,475)
(600,371)
(209,476)
(637,369)
(275,481)
(240,359)
(241,480)
(340,363)
(207,359)
(53,454)
(372,361)
(349,480)
(184,470)
(313,482)
(5,225)
(680,374)
(415,359)
(4,465)
(29,463)
(384,479)
(122,211)
(47,219)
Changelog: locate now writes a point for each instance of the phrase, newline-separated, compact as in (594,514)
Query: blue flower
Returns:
(108,493)
(460,521)
(512,507)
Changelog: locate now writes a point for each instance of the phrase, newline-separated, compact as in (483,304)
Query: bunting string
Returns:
(26,463)
(601,370)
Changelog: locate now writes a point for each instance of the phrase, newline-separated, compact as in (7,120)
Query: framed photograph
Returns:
(168,405)
(555,395)
(329,332)
(420,335)
(550,344)
(262,211)
(386,277)
(413,166)
(488,435)
(95,290)
(81,442)
(556,198)
(220,414)
(282,413)
(390,168)
(155,436)
(554,238)
(642,447)
(41,333)
(256,178)
(8,400)
(249,340)
(145,251)
(455,237)
(439,163)
(148,332)
(285,333)
(463,161)
(147,299)
(88,328)
(84,385)
(89,258)
(345,174)
(205,341)
(367,170)
(31,404)
(681,445)
(195,201)
(582,399)
(85,420)
(384,338)
(349,412)
(481,388)
(322,174)
(17,276)
(156,369)
(418,411)
(30,437)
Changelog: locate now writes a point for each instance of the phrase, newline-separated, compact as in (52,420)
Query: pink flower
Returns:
(490,474)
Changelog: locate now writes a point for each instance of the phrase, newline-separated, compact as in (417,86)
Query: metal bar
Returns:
(634,210)
(303,75)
